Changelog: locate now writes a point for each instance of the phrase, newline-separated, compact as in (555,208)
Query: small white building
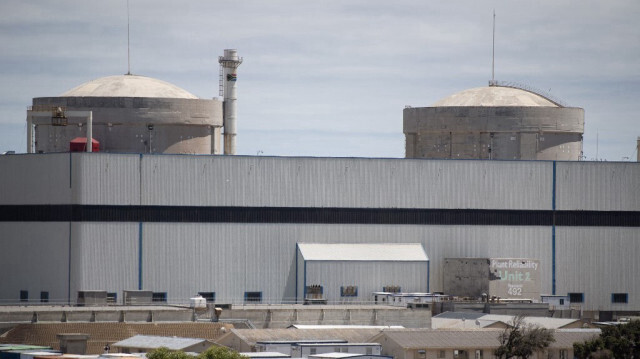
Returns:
(556,302)
(286,346)
(348,355)
(305,350)
(343,271)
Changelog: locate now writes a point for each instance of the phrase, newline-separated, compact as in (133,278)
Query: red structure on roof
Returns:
(79,144)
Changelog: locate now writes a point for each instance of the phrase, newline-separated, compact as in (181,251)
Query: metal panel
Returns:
(104,256)
(230,259)
(344,182)
(226,259)
(599,261)
(363,252)
(100,178)
(34,257)
(35,179)
(602,186)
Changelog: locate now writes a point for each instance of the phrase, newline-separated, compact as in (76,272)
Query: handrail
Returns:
(556,101)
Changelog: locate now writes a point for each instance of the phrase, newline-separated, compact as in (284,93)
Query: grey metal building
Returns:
(346,272)
(230,225)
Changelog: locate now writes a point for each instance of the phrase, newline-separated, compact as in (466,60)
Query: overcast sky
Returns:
(331,78)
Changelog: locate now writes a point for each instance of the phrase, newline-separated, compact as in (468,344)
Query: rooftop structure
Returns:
(128,86)
(145,343)
(494,122)
(136,114)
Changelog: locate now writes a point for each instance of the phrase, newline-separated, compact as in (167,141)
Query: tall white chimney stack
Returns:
(229,63)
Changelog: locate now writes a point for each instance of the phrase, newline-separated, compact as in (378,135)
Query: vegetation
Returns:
(215,352)
(616,341)
(520,340)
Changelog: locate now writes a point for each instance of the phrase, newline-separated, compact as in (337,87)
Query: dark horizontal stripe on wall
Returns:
(598,218)
(104,213)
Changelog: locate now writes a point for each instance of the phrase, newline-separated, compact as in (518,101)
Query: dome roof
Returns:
(495,96)
(128,86)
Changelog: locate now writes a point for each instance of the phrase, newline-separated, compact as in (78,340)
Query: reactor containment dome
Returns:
(127,114)
(494,122)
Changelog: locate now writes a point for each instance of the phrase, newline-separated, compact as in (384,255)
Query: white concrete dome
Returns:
(128,86)
(494,96)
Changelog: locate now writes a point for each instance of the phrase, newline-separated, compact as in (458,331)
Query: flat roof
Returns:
(152,341)
(265,355)
(397,252)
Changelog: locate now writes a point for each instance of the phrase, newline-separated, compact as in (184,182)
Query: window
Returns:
(576,297)
(619,298)
(422,354)
(441,354)
(209,296)
(563,354)
(112,298)
(254,297)
(562,301)
(479,354)
(24,295)
(160,297)
(349,291)
(44,297)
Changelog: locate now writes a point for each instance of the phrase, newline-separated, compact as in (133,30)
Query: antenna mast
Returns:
(493,52)
(128,43)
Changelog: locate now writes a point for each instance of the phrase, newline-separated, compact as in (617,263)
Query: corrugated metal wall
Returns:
(101,178)
(104,256)
(35,179)
(229,259)
(344,182)
(599,261)
(34,256)
(598,186)
(111,179)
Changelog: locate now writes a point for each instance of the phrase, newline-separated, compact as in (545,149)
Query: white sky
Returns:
(331,78)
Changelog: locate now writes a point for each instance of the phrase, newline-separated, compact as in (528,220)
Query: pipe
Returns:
(29,132)
(90,132)
(230,62)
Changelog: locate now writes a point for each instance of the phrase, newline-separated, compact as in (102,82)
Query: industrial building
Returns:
(500,122)
(256,229)
(231,226)
(137,114)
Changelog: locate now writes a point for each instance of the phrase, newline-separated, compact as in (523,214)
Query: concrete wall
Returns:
(506,133)
(515,278)
(271,317)
(122,124)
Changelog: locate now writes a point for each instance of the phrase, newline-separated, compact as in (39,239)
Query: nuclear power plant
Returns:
(256,229)
(499,122)
(137,114)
